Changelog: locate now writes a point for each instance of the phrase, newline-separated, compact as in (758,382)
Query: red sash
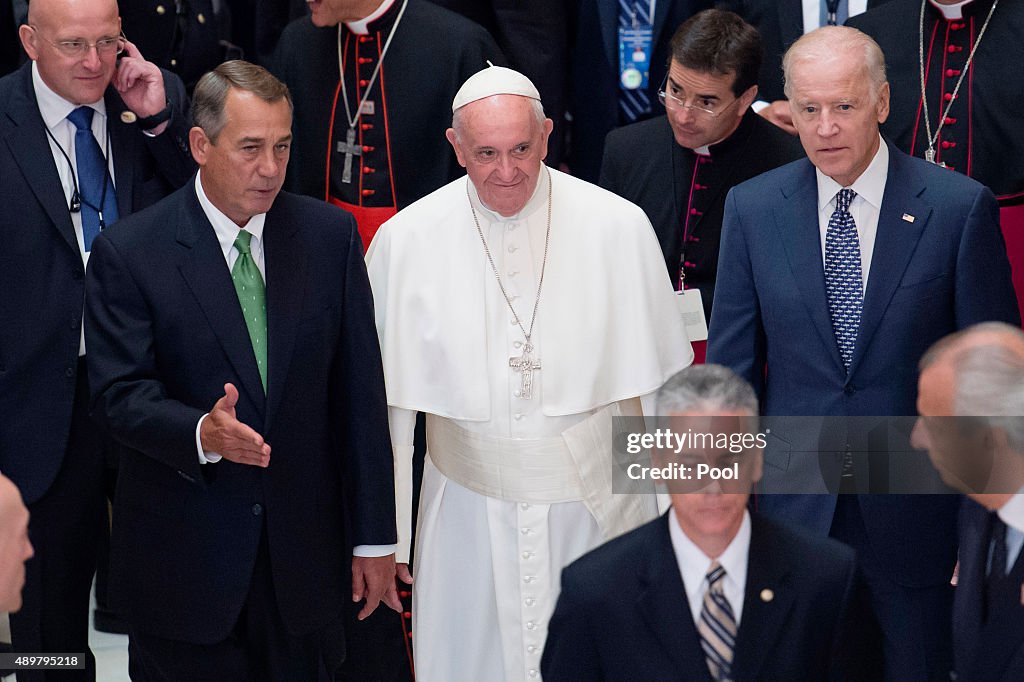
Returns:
(368,219)
(1011,218)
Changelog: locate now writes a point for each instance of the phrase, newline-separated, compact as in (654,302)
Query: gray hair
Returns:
(212,90)
(458,123)
(706,387)
(988,376)
(829,41)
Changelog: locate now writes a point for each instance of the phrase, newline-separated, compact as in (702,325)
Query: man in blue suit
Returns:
(836,274)
(711,591)
(971,401)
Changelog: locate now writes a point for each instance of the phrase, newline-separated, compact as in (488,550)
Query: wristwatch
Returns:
(150,122)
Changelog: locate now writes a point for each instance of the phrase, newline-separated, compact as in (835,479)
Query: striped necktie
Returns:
(843,282)
(252,296)
(717,626)
(633,104)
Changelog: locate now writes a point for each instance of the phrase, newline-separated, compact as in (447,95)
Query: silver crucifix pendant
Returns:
(929,156)
(349,148)
(525,365)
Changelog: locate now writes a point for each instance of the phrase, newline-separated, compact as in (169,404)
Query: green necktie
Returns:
(252,296)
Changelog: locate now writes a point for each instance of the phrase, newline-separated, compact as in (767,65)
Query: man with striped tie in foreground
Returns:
(711,591)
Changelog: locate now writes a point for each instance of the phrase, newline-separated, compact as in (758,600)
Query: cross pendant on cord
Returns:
(349,148)
(525,365)
(929,156)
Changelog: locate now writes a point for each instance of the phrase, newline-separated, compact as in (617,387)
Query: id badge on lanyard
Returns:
(635,50)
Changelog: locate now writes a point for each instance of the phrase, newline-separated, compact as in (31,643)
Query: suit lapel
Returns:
(26,140)
(1003,632)
(125,160)
(286,277)
(207,275)
(895,242)
(762,620)
(974,534)
(664,605)
(797,222)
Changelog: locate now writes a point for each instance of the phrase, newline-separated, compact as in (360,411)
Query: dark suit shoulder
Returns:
(315,217)
(776,143)
(611,568)
(881,20)
(819,558)
(643,133)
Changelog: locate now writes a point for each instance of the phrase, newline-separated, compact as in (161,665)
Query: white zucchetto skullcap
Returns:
(494,80)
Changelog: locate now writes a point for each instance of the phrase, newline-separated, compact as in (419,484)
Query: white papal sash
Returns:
(573,467)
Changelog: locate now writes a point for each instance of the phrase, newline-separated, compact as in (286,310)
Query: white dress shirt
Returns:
(694,565)
(54,110)
(870,187)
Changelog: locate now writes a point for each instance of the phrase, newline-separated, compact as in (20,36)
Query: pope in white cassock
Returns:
(520,309)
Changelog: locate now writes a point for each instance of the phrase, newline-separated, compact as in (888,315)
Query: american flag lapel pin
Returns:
(907,217)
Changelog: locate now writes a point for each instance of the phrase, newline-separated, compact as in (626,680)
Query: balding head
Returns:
(15,548)
(54,26)
(977,376)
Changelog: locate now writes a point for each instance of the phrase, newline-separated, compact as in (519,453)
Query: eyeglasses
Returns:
(80,48)
(670,101)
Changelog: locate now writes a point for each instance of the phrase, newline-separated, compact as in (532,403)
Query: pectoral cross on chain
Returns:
(929,156)
(349,148)
(525,365)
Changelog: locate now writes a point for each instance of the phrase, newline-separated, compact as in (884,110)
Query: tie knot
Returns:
(715,574)
(81,118)
(844,198)
(242,241)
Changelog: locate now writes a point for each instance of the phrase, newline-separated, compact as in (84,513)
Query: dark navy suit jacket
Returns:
(623,613)
(985,650)
(166,332)
(42,278)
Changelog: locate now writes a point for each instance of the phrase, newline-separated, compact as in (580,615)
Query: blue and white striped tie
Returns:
(633,103)
(844,285)
(717,626)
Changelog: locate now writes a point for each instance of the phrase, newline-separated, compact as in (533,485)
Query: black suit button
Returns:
(74,323)
(257,509)
(69,372)
(850,390)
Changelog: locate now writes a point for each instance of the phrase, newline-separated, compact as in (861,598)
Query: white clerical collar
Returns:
(870,186)
(954,11)
(536,201)
(362,27)
(694,563)
(54,108)
(225,227)
(1012,513)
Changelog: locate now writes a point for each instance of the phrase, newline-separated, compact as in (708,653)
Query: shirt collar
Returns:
(54,108)
(694,563)
(535,202)
(951,12)
(223,226)
(870,186)
(1012,513)
(362,27)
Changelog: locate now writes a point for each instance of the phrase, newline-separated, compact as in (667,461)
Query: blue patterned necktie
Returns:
(717,626)
(843,282)
(95,188)
(633,103)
